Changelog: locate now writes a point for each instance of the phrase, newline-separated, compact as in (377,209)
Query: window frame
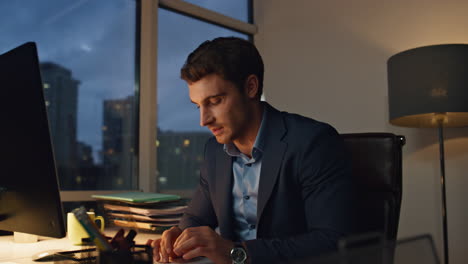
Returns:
(146,83)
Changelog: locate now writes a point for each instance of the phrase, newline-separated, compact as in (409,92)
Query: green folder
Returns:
(138,197)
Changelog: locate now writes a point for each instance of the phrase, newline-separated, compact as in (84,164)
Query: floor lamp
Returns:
(428,87)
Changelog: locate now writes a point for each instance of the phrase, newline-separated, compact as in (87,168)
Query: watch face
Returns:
(238,255)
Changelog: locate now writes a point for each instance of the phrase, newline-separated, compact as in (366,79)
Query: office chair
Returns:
(377,169)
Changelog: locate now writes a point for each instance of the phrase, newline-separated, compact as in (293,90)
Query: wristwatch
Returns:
(238,254)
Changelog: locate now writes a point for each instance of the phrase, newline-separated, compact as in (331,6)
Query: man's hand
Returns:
(203,241)
(163,247)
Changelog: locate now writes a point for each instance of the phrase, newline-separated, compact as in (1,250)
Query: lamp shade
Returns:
(428,84)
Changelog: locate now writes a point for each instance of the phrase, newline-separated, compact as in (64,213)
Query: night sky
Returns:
(95,39)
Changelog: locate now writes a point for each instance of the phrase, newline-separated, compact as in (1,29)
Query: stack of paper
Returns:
(148,211)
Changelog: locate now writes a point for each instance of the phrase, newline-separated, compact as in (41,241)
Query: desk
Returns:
(11,252)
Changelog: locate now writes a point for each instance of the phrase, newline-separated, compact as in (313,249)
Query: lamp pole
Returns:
(440,122)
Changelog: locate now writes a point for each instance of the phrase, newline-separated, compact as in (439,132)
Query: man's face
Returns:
(223,108)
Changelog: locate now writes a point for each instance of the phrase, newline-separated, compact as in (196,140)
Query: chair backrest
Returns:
(377,169)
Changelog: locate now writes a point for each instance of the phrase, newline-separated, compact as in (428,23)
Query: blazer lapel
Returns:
(272,157)
(223,193)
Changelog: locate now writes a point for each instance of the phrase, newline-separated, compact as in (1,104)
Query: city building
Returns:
(61,97)
(118,144)
(180,155)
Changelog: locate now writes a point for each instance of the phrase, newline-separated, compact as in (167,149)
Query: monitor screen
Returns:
(29,192)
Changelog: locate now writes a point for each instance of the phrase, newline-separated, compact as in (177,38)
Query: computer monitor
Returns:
(29,193)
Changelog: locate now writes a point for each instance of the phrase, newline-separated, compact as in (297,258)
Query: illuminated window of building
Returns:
(177,151)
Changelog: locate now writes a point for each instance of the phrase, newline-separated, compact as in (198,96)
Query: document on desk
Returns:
(162,210)
(199,260)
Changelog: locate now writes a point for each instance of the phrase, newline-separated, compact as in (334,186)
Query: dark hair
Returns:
(232,58)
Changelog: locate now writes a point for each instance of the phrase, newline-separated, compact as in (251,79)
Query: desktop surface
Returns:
(12,252)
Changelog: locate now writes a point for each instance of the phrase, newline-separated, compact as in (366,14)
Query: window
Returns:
(87,59)
(239,9)
(99,82)
(180,139)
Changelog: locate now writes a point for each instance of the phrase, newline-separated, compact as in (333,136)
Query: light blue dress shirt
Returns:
(246,173)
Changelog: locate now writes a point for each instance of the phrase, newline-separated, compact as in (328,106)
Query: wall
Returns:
(327,60)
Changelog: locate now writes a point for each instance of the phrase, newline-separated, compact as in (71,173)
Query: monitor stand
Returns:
(24,238)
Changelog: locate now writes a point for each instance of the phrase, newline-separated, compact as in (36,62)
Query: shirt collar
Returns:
(259,143)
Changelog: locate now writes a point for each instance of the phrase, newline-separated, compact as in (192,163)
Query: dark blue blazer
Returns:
(305,195)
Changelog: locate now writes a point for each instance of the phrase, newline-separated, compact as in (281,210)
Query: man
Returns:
(277,186)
